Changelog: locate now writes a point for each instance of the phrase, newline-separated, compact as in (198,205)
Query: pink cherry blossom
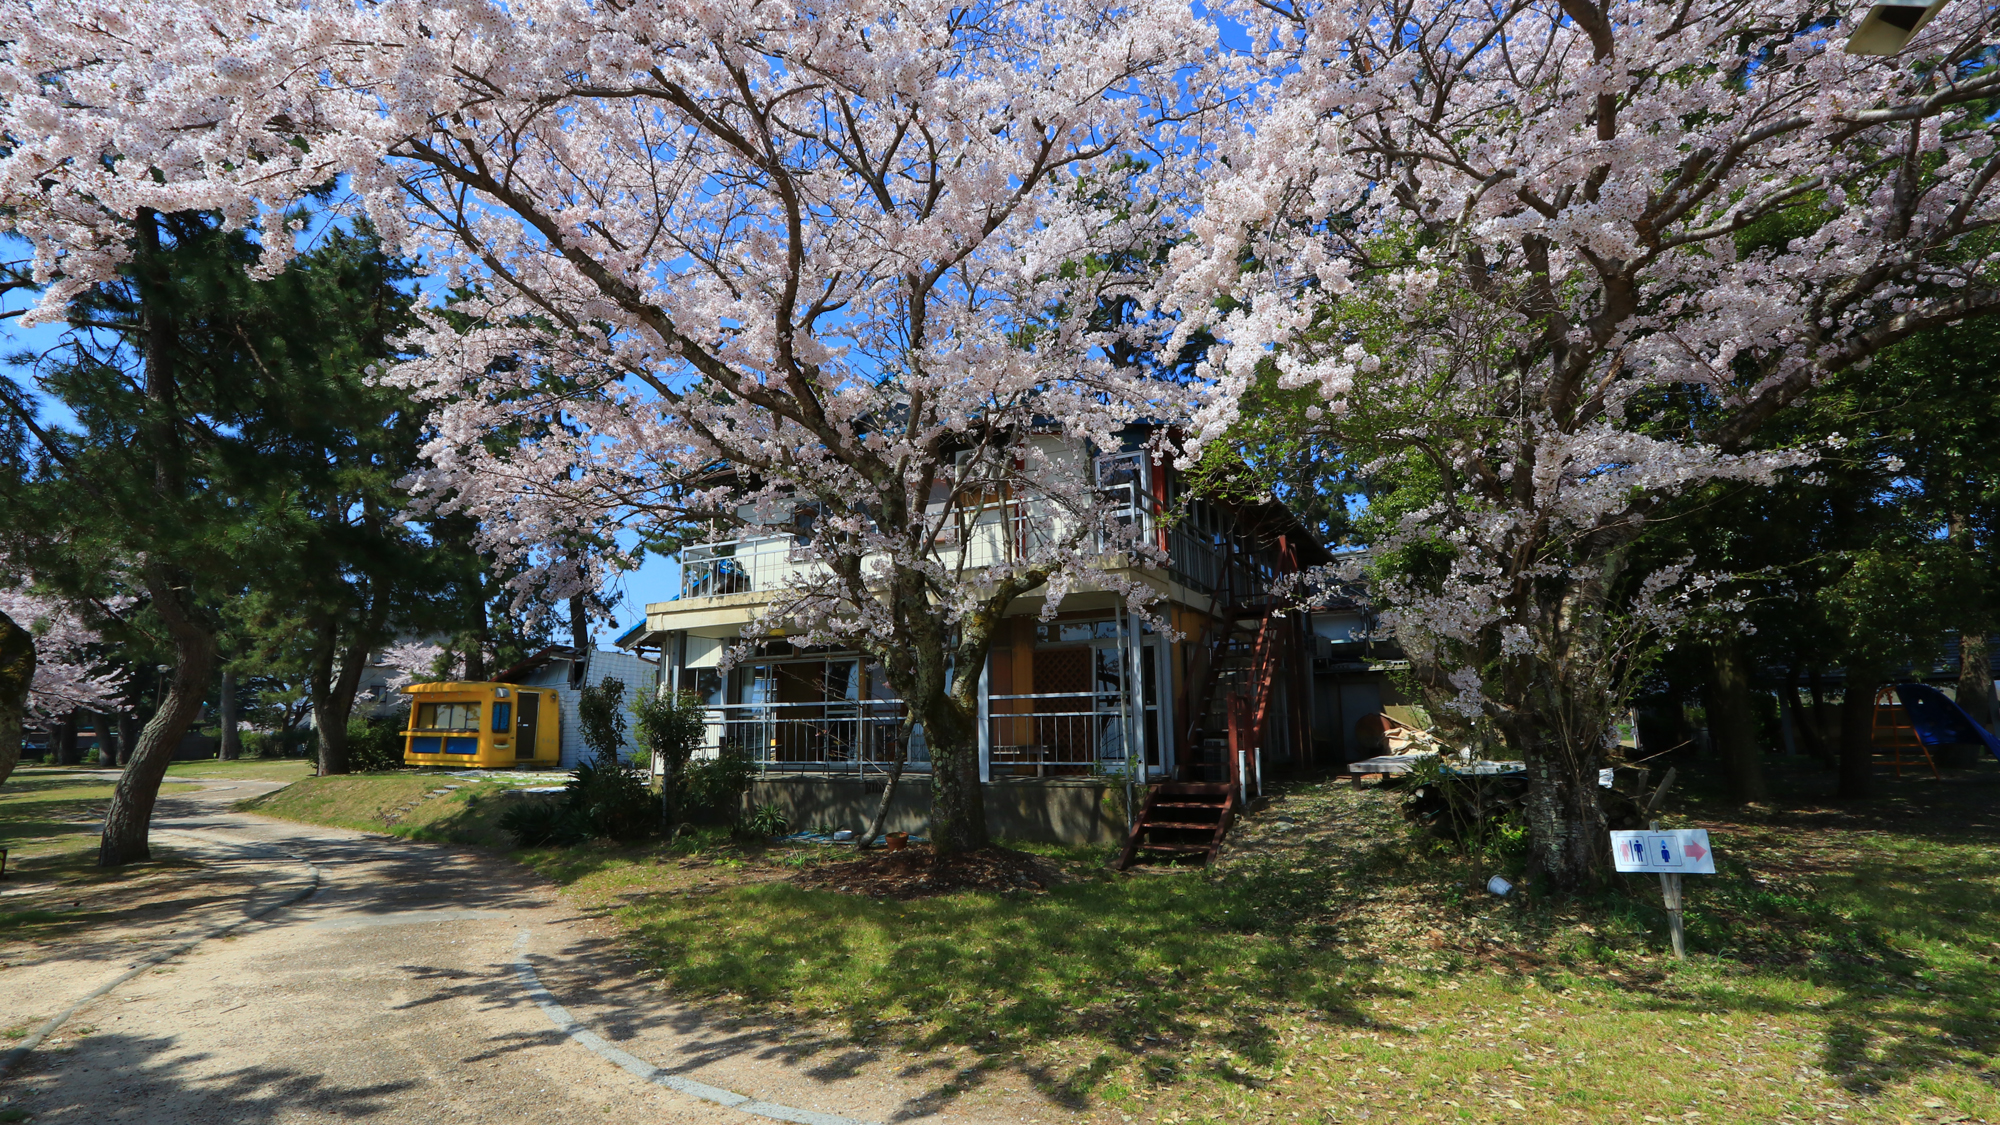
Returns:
(829,271)
(68,675)
(1568,256)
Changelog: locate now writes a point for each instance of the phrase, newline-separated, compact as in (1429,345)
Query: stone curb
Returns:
(639,1068)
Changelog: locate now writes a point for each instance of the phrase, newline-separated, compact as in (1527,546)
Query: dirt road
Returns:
(416,983)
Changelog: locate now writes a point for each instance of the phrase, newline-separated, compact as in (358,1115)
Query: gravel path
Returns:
(404,988)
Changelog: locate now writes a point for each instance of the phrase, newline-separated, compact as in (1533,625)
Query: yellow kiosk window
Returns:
(503,718)
(448,716)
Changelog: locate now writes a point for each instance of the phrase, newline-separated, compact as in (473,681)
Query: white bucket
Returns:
(1499,886)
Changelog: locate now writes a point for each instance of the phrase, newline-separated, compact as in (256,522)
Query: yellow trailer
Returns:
(483,726)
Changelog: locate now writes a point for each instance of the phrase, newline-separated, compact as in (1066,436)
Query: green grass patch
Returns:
(400,802)
(1842,965)
(50,821)
(27,925)
(245,769)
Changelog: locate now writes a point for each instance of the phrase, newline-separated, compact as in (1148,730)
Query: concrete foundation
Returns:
(1081,810)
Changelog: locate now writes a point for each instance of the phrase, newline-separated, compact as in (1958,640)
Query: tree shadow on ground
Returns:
(147,1079)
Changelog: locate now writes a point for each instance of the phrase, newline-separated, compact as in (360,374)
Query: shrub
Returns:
(376,742)
(536,823)
(712,788)
(612,800)
(275,744)
(602,719)
(671,727)
(598,802)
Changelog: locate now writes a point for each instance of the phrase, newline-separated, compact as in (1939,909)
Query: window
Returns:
(1079,632)
(448,716)
(503,718)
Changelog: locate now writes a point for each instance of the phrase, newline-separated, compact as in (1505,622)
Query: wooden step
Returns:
(1211,805)
(1198,826)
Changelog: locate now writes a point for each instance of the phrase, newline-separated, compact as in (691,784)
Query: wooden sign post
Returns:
(1671,853)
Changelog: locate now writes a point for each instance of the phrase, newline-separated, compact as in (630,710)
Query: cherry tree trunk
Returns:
(1975,676)
(1732,722)
(958,801)
(127,823)
(1566,827)
(17,671)
(1857,734)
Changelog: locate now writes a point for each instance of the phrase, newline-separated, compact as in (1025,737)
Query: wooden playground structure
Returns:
(1895,736)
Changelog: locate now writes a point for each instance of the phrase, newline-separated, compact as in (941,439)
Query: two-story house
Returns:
(1083,716)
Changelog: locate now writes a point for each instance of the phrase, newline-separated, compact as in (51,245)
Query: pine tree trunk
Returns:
(579,641)
(1823,717)
(17,672)
(1857,734)
(1732,723)
(231,744)
(1975,676)
(334,691)
(1805,728)
(131,814)
(128,737)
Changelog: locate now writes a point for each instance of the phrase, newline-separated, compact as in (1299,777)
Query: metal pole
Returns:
(1124,619)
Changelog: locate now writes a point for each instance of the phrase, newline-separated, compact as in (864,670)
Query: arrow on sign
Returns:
(1695,851)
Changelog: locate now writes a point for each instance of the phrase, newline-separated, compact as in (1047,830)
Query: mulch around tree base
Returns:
(915,872)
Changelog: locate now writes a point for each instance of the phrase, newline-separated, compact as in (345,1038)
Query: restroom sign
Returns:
(1670,851)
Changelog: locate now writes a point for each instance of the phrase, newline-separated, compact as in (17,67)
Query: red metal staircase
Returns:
(1235,680)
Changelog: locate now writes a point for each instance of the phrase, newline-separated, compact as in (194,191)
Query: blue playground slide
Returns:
(1939,720)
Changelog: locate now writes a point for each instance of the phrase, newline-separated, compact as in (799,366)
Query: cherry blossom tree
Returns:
(836,271)
(56,643)
(1557,261)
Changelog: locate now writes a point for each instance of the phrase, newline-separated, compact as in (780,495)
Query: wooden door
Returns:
(527,725)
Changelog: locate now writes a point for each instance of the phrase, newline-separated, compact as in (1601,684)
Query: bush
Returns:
(599,713)
(712,788)
(376,743)
(672,725)
(598,802)
(613,801)
(275,744)
(536,823)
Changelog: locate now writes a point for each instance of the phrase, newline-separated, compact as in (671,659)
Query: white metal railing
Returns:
(740,566)
(842,736)
(987,534)
(1054,733)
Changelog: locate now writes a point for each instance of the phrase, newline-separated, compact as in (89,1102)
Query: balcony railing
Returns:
(741,566)
(993,534)
(1058,733)
(1046,735)
(839,737)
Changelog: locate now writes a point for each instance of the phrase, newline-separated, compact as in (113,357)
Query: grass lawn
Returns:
(417,805)
(245,769)
(1843,965)
(50,819)
(1843,962)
